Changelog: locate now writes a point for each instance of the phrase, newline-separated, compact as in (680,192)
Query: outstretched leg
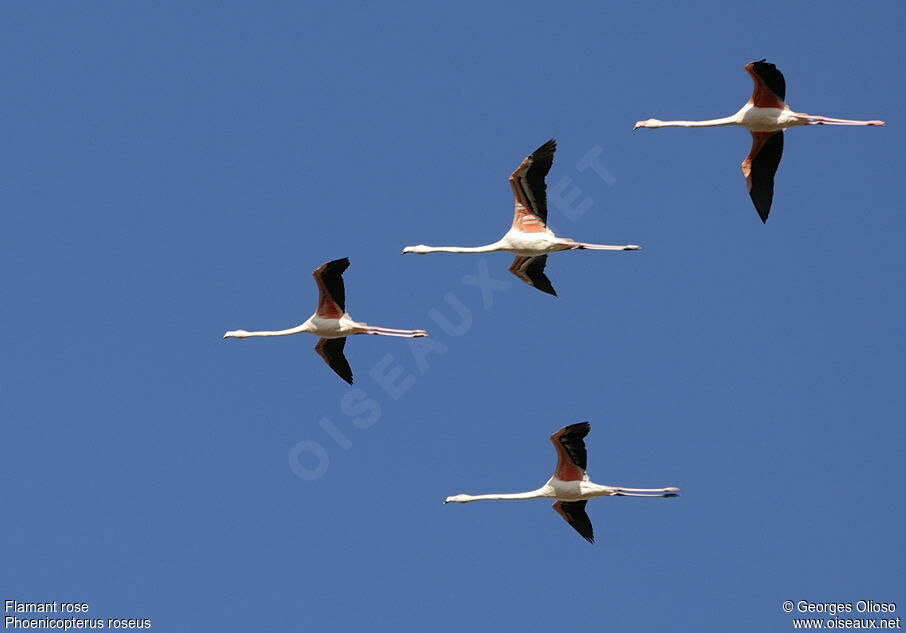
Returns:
(826,120)
(384,331)
(620,489)
(633,494)
(605,247)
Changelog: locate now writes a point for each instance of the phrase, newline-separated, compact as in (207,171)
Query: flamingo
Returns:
(331,322)
(570,485)
(765,115)
(529,238)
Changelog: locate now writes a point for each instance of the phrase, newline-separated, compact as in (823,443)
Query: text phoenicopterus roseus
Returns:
(570,485)
(765,115)
(529,238)
(331,322)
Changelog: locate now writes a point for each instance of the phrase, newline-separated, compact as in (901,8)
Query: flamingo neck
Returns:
(422,249)
(305,327)
(727,120)
(532,494)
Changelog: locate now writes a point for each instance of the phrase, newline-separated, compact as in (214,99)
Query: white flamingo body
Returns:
(327,327)
(333,328)
(570,485)
(766,115)
(757,119)
(330,322)
(532,244)
(529,237)
(577,490)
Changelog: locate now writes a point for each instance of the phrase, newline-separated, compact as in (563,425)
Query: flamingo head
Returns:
(419,249)
(457,499)
(236,334)
(647,123)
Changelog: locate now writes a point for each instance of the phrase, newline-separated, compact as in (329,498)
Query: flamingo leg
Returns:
(391,329)
(826,120)
(604,247)
(383,331)
(633,494)
(620,489)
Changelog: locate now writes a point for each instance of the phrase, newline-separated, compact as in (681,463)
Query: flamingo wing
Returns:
(331,291)
(770,86)
(530,189)
(572,457)
(531,271)
(331,350)
(759,168)
(573,512)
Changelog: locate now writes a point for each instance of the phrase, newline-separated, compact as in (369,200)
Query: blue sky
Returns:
(173,170)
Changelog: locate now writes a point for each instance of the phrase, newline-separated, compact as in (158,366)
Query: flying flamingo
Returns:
(570,485)
(765,115)
(529,238)
(331,322)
